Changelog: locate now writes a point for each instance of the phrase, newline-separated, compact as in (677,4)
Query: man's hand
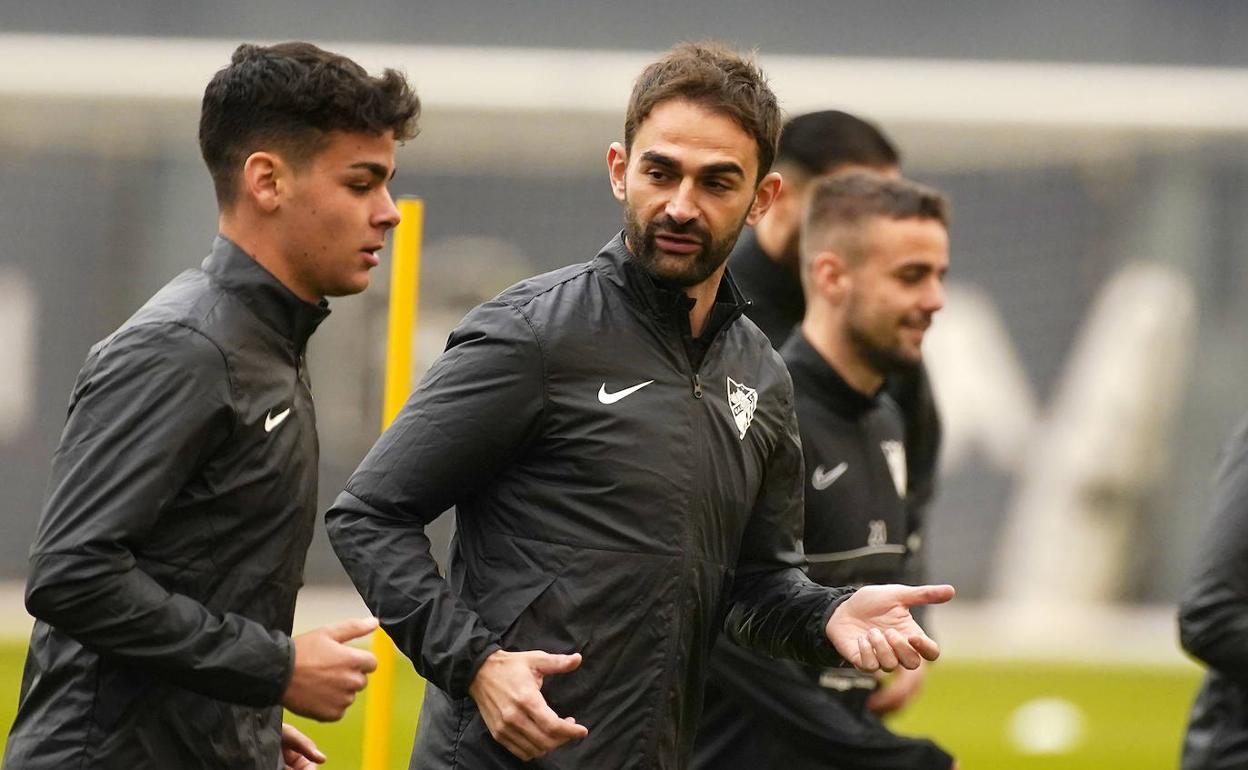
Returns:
(873,629)
(508,692)
(896,691)
(328,672)
(298,750)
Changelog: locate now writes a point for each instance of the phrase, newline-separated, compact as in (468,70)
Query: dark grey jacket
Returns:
(628,528)
(181,504)
(1213,622)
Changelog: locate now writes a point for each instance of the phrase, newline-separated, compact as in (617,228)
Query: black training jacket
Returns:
(772,713)
(1213,621)
(166,561)
(611,498)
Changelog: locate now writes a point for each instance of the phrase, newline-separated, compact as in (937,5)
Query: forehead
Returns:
(892,242)
(343,149)
(690,133)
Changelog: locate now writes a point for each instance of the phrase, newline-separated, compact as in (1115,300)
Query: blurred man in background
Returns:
(874,255)
(622,454)
(183,493)
(1213,621)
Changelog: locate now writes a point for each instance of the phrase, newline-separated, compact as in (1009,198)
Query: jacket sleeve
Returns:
(471,416)
(147,411)
(1213,611)
(774,607)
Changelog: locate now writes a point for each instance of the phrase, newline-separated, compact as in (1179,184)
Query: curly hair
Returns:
(717,78)
(289,97)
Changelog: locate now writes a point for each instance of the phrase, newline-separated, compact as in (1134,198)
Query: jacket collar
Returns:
(274,304)
(657,297)
(815,376)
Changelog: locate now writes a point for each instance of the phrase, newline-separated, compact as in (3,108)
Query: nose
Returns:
(682,206)
(934,296)
(387,215)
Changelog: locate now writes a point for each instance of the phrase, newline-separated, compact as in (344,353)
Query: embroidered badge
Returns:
(895,454)
(743,401)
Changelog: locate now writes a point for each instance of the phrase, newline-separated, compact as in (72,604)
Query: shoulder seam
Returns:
(541,350)
(225,363)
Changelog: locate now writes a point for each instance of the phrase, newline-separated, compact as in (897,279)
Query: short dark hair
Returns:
(290,97)
(847,201)
(818,142)
(717,78)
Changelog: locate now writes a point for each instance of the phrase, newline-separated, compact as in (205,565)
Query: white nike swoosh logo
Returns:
(611,398)
(271,420)
(822,479)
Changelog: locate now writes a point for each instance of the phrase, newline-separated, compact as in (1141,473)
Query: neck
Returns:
(253,241)
(703,296)
(773,238)
(833,345)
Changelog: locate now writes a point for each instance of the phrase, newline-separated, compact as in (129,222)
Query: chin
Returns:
(347,289)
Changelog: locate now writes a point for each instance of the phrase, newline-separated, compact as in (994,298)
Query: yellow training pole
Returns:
(404,291)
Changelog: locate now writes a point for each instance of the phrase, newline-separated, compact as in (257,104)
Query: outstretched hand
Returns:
(874,631)
(508,692)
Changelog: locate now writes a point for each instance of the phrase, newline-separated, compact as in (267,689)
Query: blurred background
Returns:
(1089,363)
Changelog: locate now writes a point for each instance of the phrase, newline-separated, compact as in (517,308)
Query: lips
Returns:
(370,254)
(677,244)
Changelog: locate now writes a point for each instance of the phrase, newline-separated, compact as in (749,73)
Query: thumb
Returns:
(927,595)
(351,628)
(557,664)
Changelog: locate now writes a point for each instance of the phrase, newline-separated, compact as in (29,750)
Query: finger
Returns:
(925,646)
(295,740)
(883,650)
(520,736)
(363,660)
(906,655)
(938,594)
(548,663)
(351,628)
(866,656)
(554,728)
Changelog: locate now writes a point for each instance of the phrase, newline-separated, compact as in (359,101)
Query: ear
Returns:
(766,194)
(829,274)
(617,169)
(265,179)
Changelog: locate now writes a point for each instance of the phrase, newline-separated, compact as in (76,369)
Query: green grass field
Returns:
(1088,717)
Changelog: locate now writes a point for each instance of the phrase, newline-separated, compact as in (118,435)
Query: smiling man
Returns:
(622,453)
(183,493)
(874,257)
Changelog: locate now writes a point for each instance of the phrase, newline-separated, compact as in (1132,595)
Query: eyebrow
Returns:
(376,169)
(726,167)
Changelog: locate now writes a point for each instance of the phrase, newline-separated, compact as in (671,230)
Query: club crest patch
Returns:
(742,401)
(895,455)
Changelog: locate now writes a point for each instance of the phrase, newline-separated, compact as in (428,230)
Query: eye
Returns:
(911,275)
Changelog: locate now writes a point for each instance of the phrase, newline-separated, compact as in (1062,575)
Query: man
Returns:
(183,493)
(875,255)
(622,453)
(1211,621)
(765,264)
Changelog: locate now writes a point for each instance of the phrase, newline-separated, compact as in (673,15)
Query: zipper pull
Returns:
(697,386)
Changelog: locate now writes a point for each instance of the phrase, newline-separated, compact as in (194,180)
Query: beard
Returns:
(884,357)
(683,271)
